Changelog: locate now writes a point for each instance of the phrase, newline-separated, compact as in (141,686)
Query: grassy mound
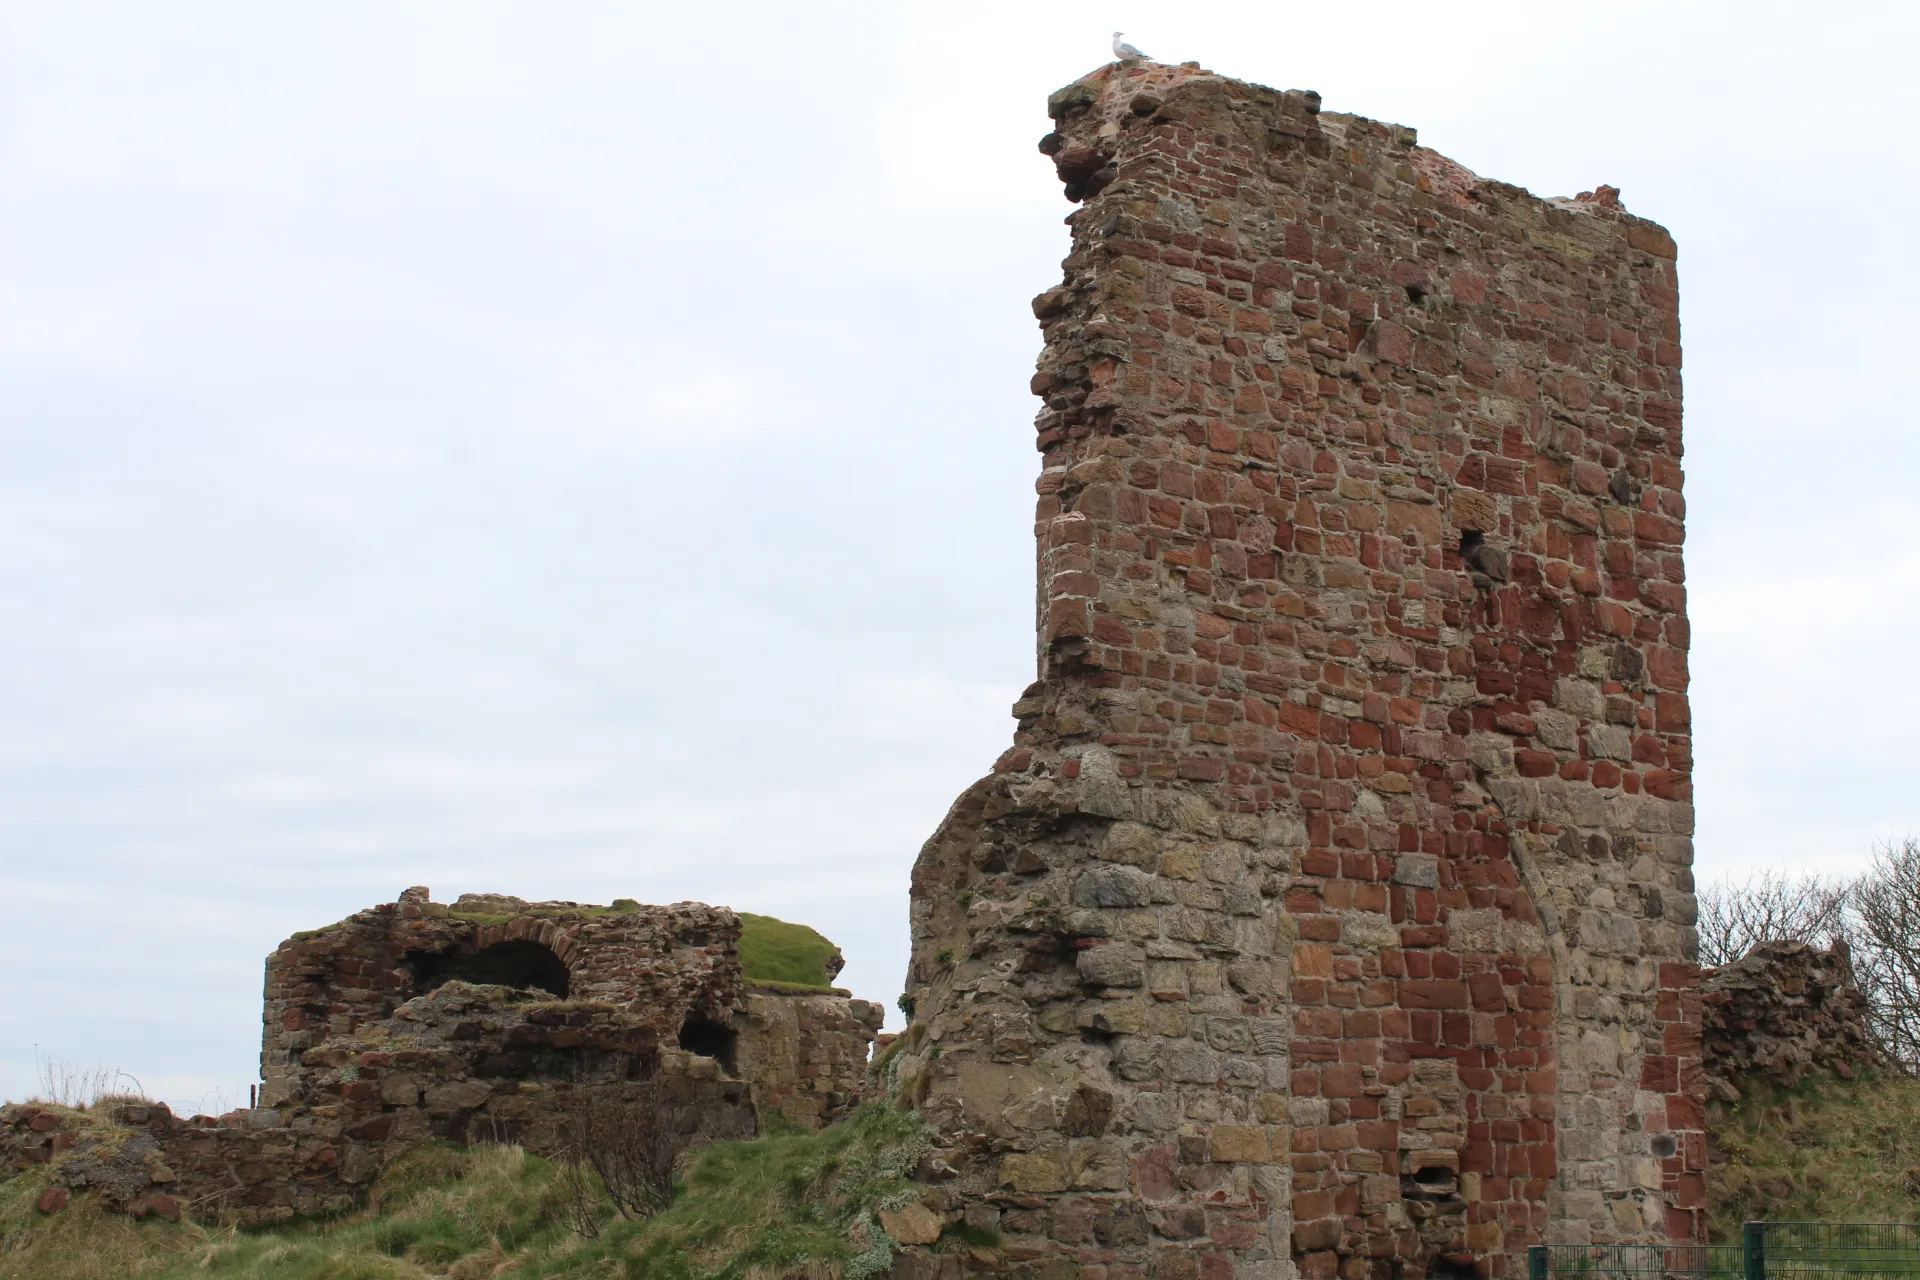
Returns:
(1824,1151)
(781,954)
(791,1202)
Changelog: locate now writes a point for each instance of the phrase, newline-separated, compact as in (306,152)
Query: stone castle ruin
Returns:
(1331,913)
(479,1021)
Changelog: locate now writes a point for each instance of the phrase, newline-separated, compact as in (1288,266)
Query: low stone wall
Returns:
(463,1063)
(1783,1010)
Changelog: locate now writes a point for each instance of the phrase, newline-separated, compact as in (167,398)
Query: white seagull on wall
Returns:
(1124,51)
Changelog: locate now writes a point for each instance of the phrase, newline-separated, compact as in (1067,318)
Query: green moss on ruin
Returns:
(777,954)
(478,917)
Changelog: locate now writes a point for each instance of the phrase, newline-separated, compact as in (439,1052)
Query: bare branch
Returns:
(630,1137)
(1737,916)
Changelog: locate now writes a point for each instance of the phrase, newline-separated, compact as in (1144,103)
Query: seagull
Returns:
(1124,51)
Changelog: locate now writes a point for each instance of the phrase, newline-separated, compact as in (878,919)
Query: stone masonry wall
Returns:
(1332,912)
(661,964)
(484,1021)
(462,1063)
(806,1055)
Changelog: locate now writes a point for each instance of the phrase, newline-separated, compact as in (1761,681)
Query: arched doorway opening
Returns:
(711,1039)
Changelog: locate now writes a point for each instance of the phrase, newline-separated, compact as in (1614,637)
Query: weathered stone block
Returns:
(1113,964)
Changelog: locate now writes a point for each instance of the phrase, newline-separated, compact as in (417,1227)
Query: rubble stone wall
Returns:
(493,1020)
(807,1055)
(1782,1011)
(662,965)
(462,1063)
(1332,911)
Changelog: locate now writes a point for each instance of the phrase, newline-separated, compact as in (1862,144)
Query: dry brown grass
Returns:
(1825,1151)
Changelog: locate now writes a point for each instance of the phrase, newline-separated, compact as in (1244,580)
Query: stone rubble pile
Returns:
(1784,1010)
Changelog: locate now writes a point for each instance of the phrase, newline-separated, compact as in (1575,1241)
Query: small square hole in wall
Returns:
(1664,1145)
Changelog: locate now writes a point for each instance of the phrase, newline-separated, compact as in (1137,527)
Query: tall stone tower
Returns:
(1331,913)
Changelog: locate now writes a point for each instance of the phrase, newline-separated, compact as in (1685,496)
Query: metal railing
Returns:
(1767,1251)
(1831,1249)
(1635,1261)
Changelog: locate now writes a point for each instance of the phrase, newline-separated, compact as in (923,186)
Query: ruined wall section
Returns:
(806,1055)
(1332,910)
(494,1019)
(461,1063)
(1784,1011)
(661,964)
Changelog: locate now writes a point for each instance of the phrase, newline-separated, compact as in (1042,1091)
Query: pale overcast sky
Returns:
(583,450)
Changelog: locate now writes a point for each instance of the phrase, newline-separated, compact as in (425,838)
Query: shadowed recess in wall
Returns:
(506,964)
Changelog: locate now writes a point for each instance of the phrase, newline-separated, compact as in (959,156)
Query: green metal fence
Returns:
(1767,1251)
(1831,1249)
(1635,1261)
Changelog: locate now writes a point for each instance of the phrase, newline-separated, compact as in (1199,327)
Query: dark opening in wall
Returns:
(1477,555)
(710,1039)
(507,964)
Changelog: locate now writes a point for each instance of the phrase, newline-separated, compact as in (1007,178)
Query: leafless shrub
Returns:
(1885,937)
(622,1141)
(1737,916)
(1873,917)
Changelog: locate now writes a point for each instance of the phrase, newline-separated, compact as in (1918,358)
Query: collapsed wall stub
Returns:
(1332,911)
(670,975)
(663,967)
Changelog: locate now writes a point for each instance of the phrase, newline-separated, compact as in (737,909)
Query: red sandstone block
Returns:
(1536,764)
(1657,529)
(1684,1112)
(1341,1081)
(1614,619)
(1378,1135)
(1434,994)
(1319,862)
(1680,975)
(1202,768)
(1067,618)
(1321,928)
(1667,667)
